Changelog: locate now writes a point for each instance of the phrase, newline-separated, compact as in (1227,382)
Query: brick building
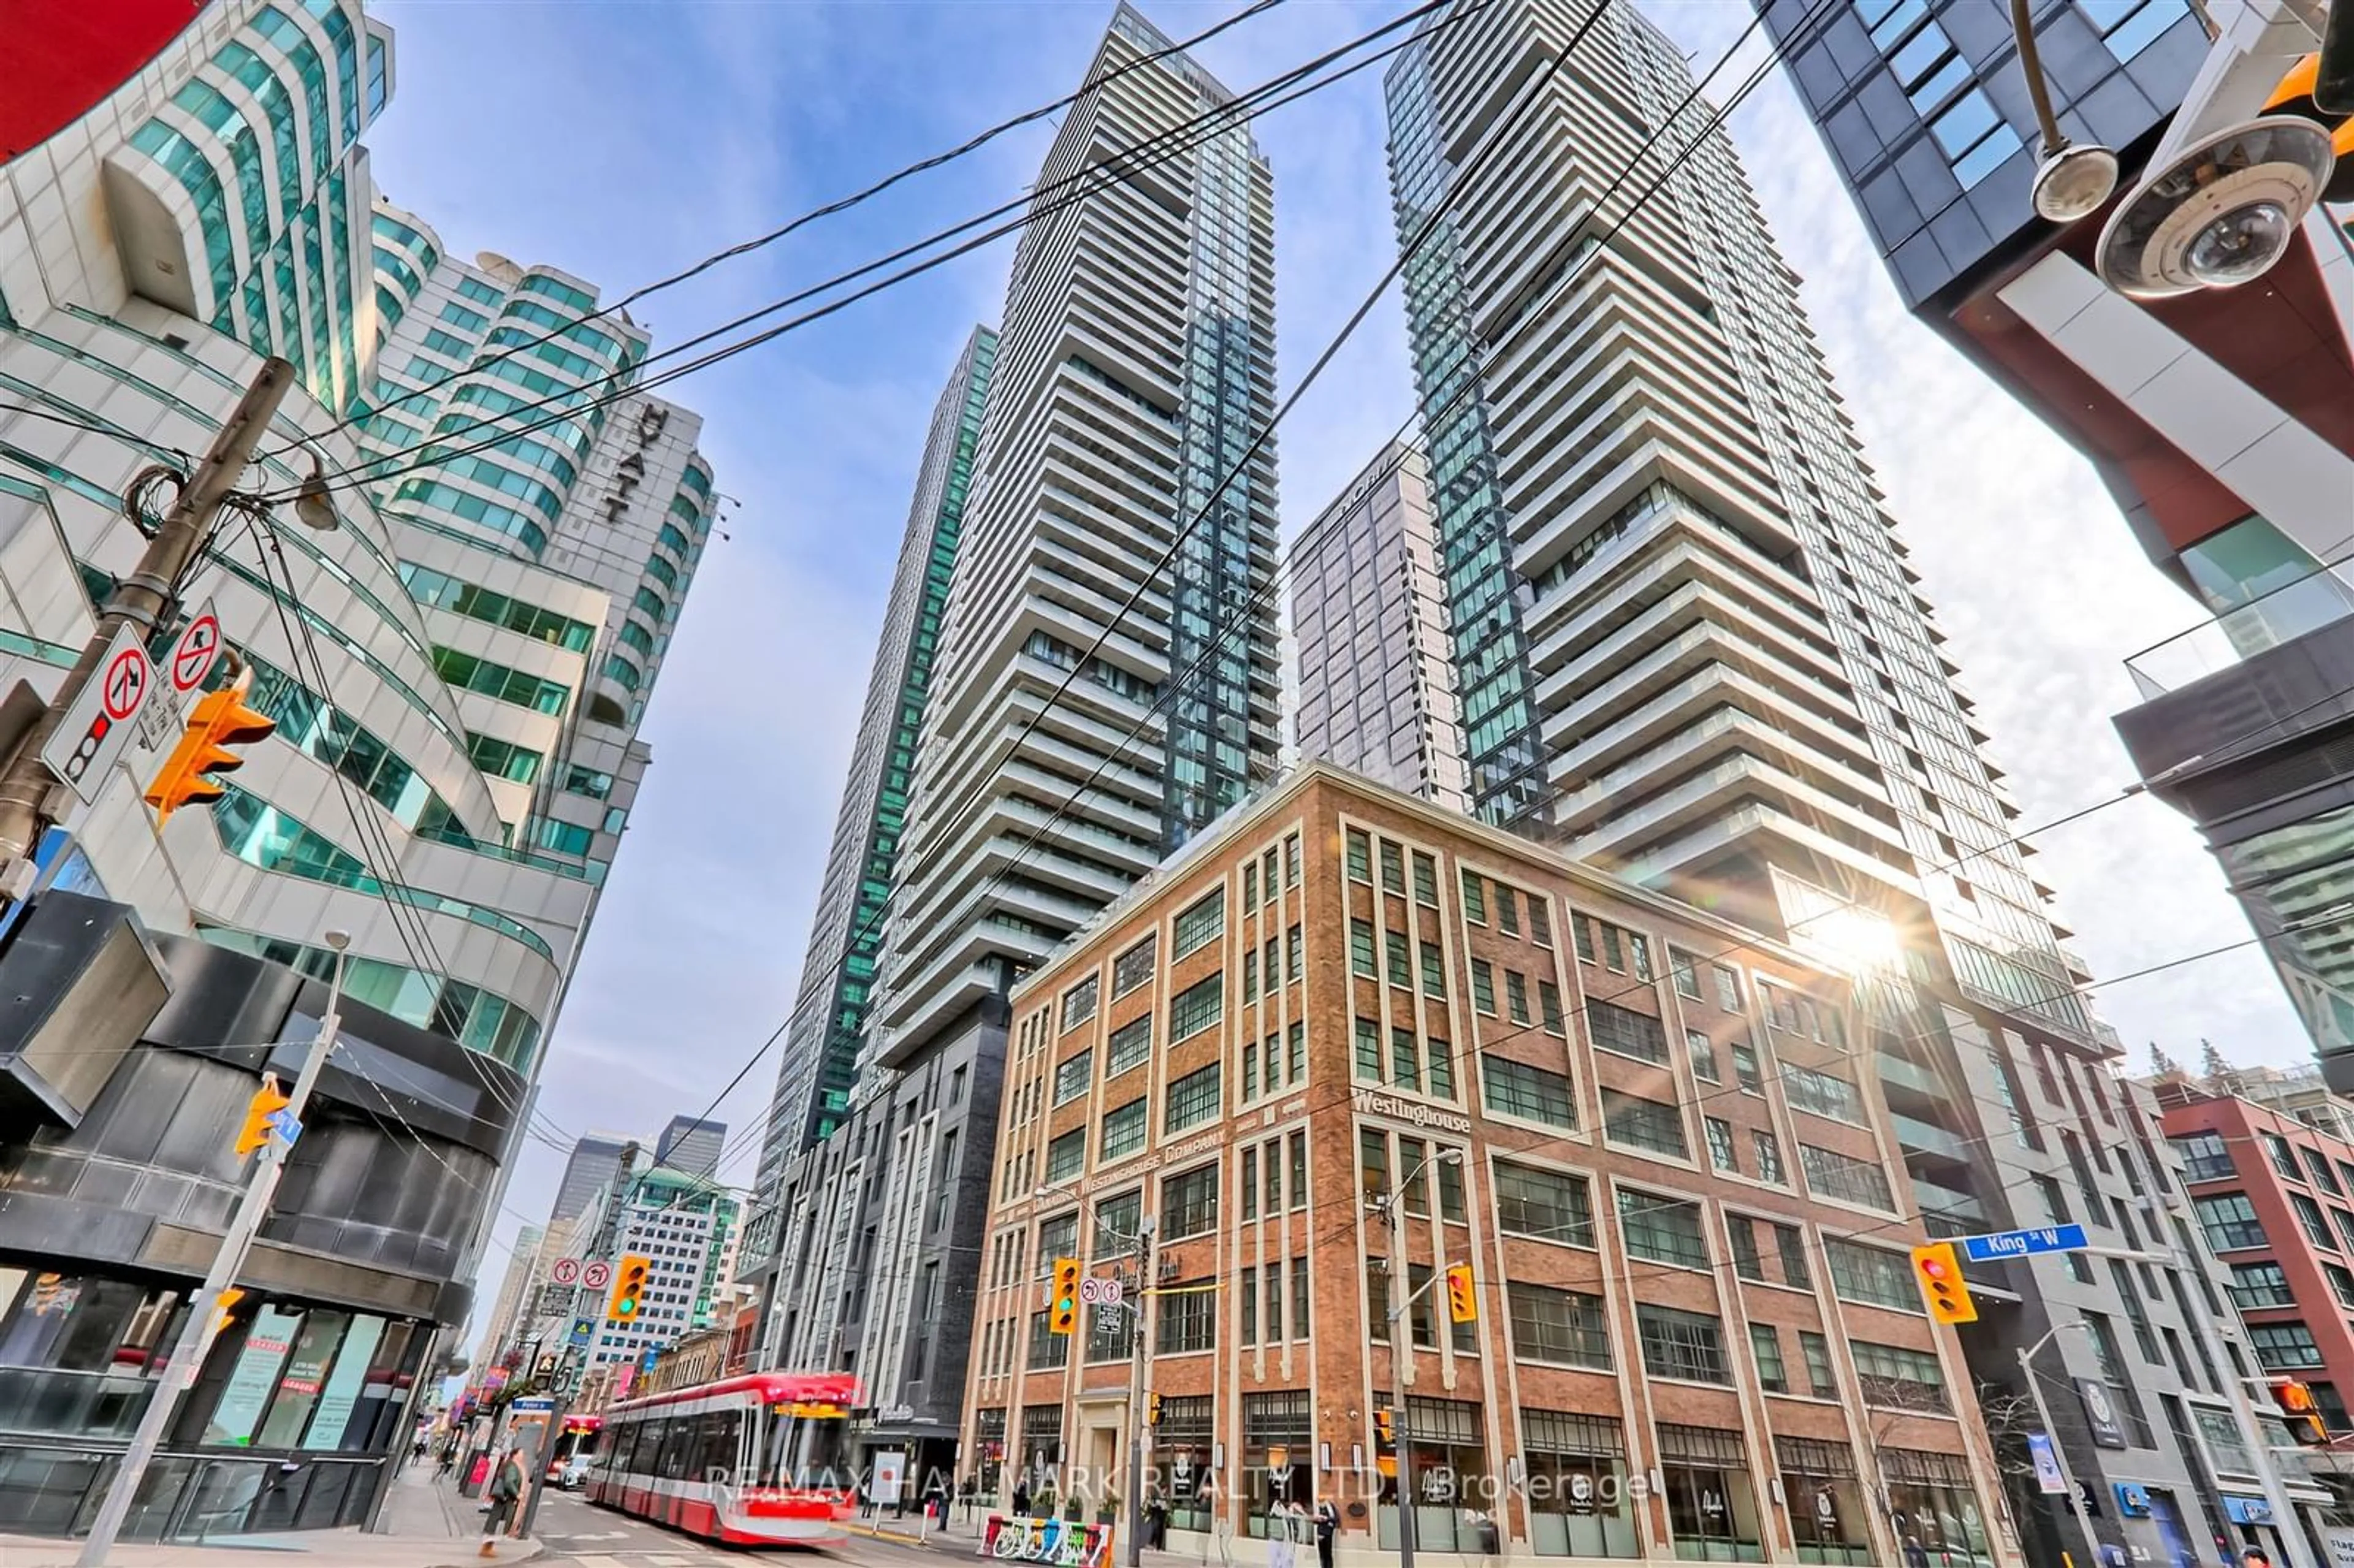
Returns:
(1683,1208)
(2273,1194)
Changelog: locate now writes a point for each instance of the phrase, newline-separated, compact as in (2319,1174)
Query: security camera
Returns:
(2231,183)
(2219,213)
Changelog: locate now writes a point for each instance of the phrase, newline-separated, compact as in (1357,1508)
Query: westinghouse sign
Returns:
(1368,1103)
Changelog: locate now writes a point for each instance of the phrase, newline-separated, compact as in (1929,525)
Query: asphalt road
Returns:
(576,1533)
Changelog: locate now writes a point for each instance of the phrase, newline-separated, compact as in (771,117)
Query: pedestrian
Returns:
(2254,1557)
(506,1484)
(1022,1500)
(449,1459)
(1281,1547)
(1327,1524)
(1156,1522)
(1916,1556)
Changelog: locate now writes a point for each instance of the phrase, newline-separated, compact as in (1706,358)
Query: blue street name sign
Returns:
(285,1125)
(2019,1244)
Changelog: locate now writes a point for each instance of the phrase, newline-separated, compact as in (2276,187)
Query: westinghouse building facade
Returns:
(1648,1134)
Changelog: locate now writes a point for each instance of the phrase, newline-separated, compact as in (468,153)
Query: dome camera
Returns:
(2220,213)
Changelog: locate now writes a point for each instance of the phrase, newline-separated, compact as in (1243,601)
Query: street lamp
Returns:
(1401,1353)
(312,507)
(2043,1415)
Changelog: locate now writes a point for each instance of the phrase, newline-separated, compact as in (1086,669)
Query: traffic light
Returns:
(1063,1312)
(1384,1438)
(629,1288)
(1940,1274)
(219,720)
(225,1309)
(1462,1303)
(2303,1416)
(266,1102)
(1152,1410)
(2296,96)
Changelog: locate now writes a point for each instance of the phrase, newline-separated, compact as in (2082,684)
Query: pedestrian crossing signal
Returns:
(1152,1410)
(1063,1312)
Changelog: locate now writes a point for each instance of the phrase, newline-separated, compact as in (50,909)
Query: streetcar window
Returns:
(720,1434)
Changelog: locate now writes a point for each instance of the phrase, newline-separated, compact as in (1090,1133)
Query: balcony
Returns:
(2270,620)
(1918,1137)
(1937,1198)
(1908,1074)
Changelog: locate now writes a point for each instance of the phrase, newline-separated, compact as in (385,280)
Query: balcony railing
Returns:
(2321,597)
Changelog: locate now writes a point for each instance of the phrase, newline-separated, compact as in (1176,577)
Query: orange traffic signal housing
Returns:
(266,1102)
(1939,1270)
(629,1288)
(219,721)
(2294,96)
(2301,1413)
(1063,1312)
(1462,1300)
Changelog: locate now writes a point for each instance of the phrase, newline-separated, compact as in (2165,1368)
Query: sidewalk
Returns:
(426,1525)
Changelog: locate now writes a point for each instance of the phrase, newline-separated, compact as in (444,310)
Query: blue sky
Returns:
(621,141)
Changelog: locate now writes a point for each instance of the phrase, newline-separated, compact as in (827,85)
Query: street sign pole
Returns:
(564,1391)
(139,605)
(229,1260)
(1140,1425)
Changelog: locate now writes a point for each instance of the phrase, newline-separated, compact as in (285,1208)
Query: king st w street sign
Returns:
(2019,1244)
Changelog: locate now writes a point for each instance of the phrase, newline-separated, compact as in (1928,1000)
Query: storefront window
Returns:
(1181,1454)
(1930,1500)
(1451,1483)
(82,1322)
(332,1418)
(1279,1468)
(78,1352)
(268,1343)
(1711,1508)
(304,1378)
(1826,1503)
(1042,1444)
(1576,1486)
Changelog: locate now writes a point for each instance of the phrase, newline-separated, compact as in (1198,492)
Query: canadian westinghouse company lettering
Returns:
(1130,1171)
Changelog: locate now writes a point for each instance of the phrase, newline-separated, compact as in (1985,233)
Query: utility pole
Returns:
(143,600)
(1142,1427)
(567,1369)
(229,1261)
(1401,1343)
(2059,1451)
